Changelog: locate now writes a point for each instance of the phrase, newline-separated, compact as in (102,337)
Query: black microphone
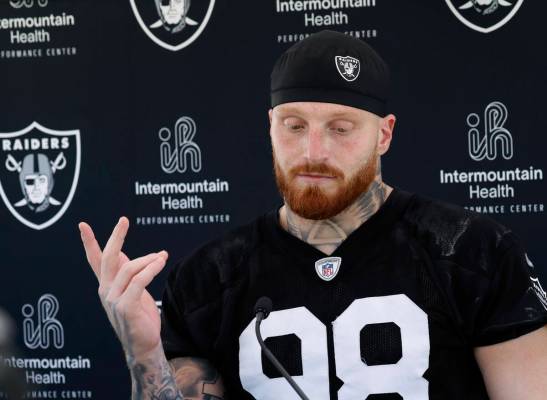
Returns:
(262,309)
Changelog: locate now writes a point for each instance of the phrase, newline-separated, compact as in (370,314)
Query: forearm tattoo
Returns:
(154,382)
(326,235)
(157,379)
(198,378)
(179,379)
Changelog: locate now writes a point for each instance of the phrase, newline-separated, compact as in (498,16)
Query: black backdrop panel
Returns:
(167,123)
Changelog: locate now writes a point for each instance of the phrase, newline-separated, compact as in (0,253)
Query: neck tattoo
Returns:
(326,235)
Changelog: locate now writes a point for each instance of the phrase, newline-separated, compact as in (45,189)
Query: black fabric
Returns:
(311,70)
(381,343)
(288,351)
(467,273)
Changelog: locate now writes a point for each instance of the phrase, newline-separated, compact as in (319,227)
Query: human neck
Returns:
(327,234)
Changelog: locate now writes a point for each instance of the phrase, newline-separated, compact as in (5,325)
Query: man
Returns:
(377,293)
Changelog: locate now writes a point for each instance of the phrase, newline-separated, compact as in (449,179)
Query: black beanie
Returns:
(331,67)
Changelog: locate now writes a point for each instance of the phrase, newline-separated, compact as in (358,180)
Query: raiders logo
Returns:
(348,67)
(39,170)
(484,15)
(172,24)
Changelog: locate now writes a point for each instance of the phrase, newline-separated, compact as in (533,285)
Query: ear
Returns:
(270,116)
(387,124)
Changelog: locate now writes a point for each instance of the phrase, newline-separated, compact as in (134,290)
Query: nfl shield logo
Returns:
(348,67)
(39,170)
(327,268)
(172,24)
(484,16)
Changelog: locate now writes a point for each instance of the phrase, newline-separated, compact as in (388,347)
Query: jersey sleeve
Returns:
(514,303)
(189,320)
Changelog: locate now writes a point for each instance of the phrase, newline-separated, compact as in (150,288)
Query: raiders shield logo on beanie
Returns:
(348,67)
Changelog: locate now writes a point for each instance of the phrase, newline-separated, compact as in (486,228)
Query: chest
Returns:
(380,326)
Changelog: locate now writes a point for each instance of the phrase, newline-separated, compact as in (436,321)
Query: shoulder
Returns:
(216,265)
(452,232)
(481,269)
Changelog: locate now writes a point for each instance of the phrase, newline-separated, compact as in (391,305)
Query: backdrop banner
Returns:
(157,111)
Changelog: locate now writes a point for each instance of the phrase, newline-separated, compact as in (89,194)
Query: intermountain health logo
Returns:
(484,15)
(172,24)
(297,19)
(41,328)
(39,171)
(178,151)
(37,29)
(489,139)
(182,193)
(28,3)
(494,183)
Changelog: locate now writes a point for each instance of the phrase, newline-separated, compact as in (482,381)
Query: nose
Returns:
(317,146)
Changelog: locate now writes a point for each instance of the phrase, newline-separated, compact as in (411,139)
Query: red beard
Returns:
(310,201)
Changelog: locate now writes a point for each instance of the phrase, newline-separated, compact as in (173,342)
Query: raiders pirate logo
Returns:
(39,170)
(327,268)
(484,15)
(172,24)
(348,67)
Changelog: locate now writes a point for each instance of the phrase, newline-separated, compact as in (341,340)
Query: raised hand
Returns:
(135,318)
(122,289)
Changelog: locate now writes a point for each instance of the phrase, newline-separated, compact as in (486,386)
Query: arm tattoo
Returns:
(326,235)
(151,379)
(179,379)
(157,379)
(198,378)
(154,384)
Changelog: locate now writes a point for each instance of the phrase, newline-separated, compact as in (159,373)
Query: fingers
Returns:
(93,251)
(109,262)
(129,270)
(140,281)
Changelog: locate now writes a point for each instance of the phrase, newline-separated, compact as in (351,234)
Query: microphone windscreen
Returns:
(263,305)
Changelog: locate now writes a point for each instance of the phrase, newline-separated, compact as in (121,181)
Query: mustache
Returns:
(316,168)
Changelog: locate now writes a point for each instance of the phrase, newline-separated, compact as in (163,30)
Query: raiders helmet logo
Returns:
(484,15)
(348,67)
(172,24)
(39,170)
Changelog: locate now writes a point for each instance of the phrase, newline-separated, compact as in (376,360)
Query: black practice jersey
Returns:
(393,313)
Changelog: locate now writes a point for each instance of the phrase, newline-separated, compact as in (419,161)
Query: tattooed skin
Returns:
(155,378)
(154,382)
(178,379)
(198,379)
(326,235)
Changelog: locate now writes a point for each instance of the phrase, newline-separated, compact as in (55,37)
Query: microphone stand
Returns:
(259,317)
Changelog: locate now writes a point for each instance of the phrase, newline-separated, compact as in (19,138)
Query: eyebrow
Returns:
(338,114)
(344,114)
(289,110)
